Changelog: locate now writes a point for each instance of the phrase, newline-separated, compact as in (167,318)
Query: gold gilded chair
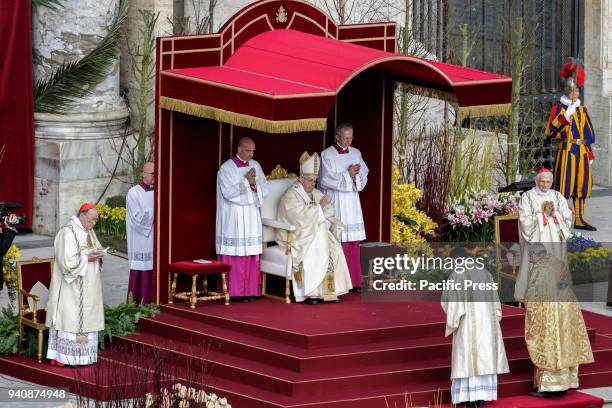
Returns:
(507,252)
(31,275)
(276,260)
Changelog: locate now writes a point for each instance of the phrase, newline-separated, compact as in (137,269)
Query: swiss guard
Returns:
(570,124)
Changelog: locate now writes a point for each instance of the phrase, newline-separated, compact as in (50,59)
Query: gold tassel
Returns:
(239,119)
(477,111)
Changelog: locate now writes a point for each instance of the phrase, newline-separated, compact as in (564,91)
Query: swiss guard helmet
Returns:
(572,76)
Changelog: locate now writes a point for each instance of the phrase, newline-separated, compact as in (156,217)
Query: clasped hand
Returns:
(354,169)
(549,209)
(251,175)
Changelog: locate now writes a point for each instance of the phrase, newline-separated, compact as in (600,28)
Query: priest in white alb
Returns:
(75,310)
(319,269)
(344,175)
(472,317)
(139,222)
(241,188)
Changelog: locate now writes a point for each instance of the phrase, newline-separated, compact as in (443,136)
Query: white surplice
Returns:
(313,246)
(537,227)
(139,221)
(337,184)
(238,224)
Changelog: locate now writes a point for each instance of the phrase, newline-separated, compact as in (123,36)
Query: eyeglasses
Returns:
(151,173)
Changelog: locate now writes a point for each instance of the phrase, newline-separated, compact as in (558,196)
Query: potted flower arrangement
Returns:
(589,261)
(470,216)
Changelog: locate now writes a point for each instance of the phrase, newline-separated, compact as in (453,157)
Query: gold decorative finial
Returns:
(281,15)
(280,173)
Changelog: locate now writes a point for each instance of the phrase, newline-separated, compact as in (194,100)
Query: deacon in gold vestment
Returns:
(555,332)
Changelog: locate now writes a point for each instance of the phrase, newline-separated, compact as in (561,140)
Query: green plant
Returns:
(116,201)
(121,320)
(474,165)
(111,221)
(74,80)
(9,331)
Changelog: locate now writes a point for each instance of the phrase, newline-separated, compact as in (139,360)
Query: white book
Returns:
(100,251)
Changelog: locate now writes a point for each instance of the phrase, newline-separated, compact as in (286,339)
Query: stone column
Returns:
(598,87)
(75,152)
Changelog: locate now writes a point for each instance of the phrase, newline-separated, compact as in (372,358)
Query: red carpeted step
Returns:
(288,382)
(601,323)
(270,355)
(316,326)
(299,359)
(106,380)
(574,399)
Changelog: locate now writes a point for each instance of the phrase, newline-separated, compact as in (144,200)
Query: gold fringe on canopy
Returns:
(501,109)
(239,119)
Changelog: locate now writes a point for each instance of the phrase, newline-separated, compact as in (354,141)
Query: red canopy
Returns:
(286,81)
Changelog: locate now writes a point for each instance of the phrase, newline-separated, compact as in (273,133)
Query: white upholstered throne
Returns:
(276,259)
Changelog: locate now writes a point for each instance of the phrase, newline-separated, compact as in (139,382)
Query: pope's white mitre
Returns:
(309,165)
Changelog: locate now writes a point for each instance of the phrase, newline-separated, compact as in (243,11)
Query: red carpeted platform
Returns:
(270,355)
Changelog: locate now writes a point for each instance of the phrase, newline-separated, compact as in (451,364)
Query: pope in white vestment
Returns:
(478,355)
(241,188)
(75,310)
(555,332)
(344,175)
(318,265)
(139,222)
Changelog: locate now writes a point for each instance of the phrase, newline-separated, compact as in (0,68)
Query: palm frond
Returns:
(76,79)
(52,4)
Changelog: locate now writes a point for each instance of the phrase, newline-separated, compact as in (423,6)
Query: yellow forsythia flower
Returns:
(405,197)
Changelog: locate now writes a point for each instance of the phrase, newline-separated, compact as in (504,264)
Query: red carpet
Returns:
(271,355)
(573,399)
(601,323)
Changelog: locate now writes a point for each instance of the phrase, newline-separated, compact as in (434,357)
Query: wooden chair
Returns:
(506,235)
(276,260)
(29,273)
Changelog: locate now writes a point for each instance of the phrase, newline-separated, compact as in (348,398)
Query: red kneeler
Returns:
(195,269)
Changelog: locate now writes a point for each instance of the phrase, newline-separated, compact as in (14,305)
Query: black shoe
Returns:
(542,394)
(560,394)
(586,227)
(253,298)
(312,301)
(480,403)
(358,290)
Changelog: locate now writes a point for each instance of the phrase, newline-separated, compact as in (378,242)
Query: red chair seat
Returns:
(41,315)
(194,268)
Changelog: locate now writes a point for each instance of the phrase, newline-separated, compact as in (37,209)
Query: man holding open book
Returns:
(75,310)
